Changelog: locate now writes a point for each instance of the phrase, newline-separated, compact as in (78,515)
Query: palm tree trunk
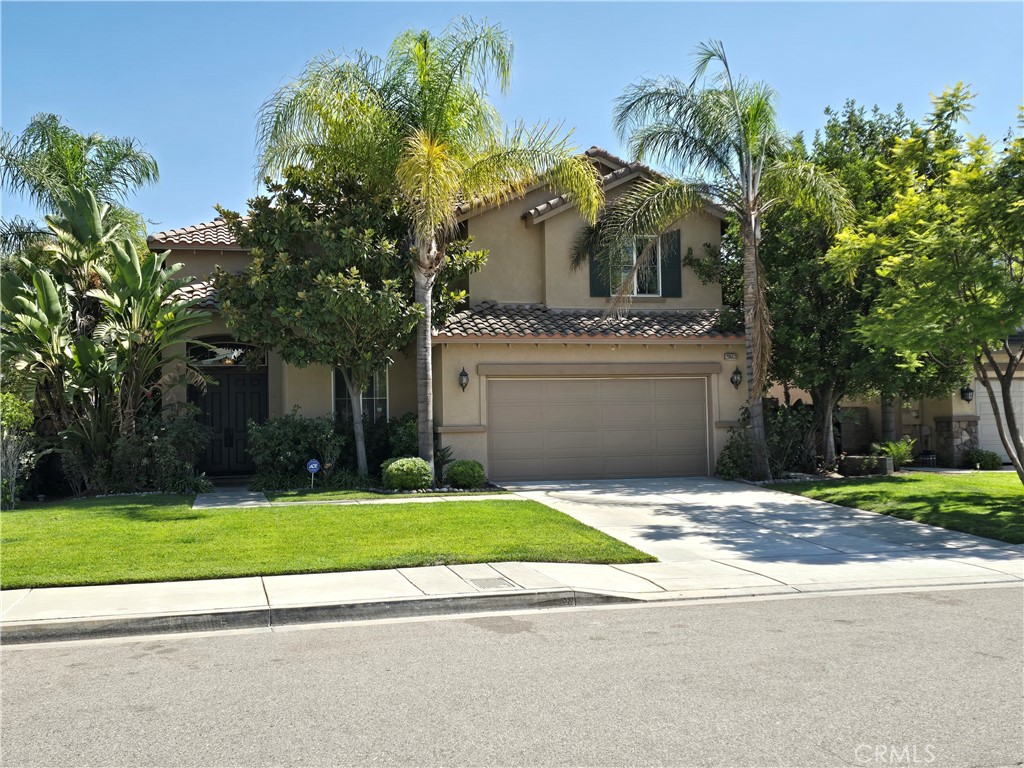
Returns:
(355,396)
(756,330)
(423,283)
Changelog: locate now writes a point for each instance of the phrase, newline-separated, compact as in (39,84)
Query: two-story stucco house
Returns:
(553,388)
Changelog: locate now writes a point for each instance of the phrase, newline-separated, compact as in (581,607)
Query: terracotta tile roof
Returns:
(213,235)
(627,169)
(204,291)
(490,318)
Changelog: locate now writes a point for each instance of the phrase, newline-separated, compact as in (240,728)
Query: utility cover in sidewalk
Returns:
(492,584)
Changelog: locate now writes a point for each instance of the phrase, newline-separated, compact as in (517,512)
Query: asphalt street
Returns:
(912,678)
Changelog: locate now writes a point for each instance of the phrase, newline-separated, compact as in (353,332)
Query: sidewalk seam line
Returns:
(755,573)
(628,573)
(411,582)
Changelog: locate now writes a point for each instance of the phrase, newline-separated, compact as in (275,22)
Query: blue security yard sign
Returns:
(312,466)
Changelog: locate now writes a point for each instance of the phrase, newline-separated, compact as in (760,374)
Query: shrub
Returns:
(981,459)
(466,473)
(900,451)
(281,446)
(404,436)
(408,474)
(161,455)
(789,435)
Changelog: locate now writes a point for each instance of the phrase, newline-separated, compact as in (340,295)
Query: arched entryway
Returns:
(237,392)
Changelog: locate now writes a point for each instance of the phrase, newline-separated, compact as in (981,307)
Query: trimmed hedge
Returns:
(408,474)
(466,473)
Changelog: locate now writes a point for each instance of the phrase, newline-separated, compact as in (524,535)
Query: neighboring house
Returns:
(556,389)
(945,427)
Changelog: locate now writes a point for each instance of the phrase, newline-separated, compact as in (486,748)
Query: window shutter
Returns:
(598,278)
(671,265)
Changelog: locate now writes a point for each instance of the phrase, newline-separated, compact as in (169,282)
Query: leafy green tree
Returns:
(816,344)
(326,281)
(950,256)
(16,439)
(720,135)
(49,161)
(418,125)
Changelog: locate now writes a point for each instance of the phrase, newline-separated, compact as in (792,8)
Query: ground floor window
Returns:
(375,399)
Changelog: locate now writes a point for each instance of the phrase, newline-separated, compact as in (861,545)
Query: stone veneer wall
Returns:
(953,436)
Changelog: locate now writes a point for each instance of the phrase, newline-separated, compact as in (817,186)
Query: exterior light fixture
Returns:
(463,378)
(736,378)
(966,393)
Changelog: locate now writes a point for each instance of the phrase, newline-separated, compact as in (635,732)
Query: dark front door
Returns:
(229,402)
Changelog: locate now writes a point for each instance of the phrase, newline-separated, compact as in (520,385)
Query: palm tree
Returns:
(721,138)
(49,160)
(418,125)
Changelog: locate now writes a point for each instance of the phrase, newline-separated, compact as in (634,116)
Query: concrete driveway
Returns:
(714,537)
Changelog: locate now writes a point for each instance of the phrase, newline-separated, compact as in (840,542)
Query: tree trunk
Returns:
(825,401)
(888,419)
(355,396)
(757,330)
(423,283)
(1010,432)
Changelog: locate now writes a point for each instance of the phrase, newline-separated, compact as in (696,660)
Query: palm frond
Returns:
(503,169)
(807,184)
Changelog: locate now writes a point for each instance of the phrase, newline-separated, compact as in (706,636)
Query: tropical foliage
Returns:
(417,125)
(50,162)
(96,345)
(718,137)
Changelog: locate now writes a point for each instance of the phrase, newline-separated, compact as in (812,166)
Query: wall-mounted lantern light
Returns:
(463,378)
(737,377)
(966,393)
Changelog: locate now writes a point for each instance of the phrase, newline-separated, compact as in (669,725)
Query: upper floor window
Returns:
(661,276)
(646,281)
(375,399)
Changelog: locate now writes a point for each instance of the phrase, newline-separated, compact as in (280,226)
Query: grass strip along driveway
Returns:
(161,538)
(350,495)
(989,504)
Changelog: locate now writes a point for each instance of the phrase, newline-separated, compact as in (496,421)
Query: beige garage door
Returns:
(988,434)
(584,428)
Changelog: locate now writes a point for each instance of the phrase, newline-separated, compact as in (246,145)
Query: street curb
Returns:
(55,630)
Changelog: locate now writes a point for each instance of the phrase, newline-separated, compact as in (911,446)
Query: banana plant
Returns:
(145,319)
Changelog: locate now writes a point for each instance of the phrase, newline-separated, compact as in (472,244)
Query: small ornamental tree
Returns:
(950,256)
(16,439)
(326,282)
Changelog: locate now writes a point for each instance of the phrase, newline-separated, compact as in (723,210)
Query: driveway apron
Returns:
(713,535)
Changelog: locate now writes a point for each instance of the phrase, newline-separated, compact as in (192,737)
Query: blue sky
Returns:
(187,79)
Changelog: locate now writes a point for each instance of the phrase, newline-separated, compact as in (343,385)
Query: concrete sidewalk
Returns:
(712,538)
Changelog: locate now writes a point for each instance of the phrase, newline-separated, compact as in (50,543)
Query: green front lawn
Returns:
(313,496)
(161,538)
(989,504)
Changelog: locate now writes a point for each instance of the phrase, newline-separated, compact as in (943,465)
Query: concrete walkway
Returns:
(712,538)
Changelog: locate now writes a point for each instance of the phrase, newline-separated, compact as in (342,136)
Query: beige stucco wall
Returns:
(514,272)
(529,264)
(200,264)
(463,418)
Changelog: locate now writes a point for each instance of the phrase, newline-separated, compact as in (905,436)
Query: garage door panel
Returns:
(566,414)
(626,389)
(627,413)
(584,428)
(564,391)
